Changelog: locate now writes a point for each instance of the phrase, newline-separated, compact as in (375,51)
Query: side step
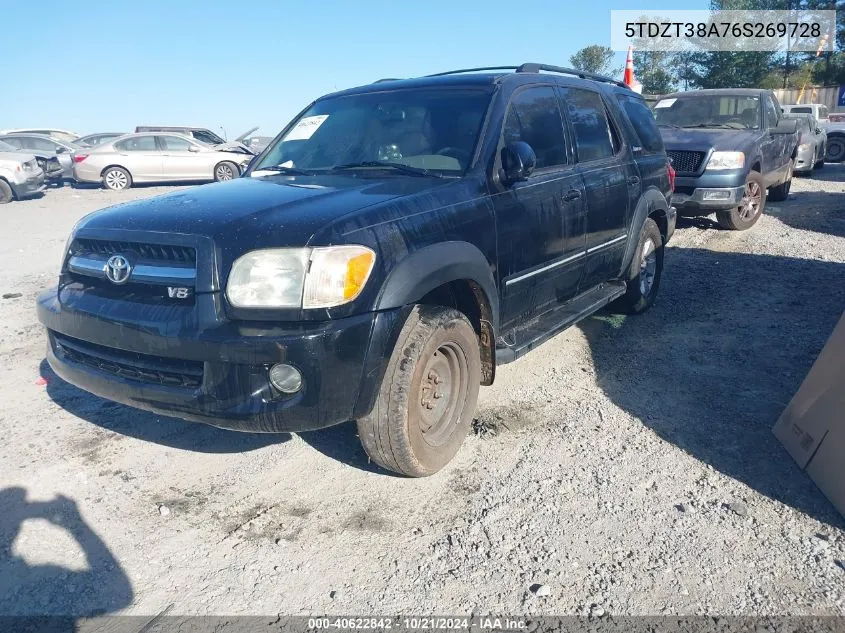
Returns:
(527,336)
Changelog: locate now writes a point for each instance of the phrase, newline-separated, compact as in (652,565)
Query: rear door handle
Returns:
(572,194)
(633,180)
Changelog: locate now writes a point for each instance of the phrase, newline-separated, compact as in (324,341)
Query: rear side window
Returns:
(137,144)
(642,120)
(534,117)
(593,137)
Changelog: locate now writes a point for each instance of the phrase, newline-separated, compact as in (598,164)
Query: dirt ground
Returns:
(627,464)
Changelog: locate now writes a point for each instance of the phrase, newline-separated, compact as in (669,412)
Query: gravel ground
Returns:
(625,467)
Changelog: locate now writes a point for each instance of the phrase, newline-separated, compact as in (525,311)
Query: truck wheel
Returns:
(835,149)
(750,207)
(226,171)
(116,179)
(427,397)
(643,278)
(780,193)
(5,192)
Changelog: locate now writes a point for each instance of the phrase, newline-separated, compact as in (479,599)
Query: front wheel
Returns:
(226,171)
(116,179)
(427,397)
(644,273)
(6,194)
(750,207)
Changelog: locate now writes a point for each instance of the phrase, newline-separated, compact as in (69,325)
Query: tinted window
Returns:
(41,144)
(588,116)
(771,113)
(643,122)
(801,110)
(175,143)
(206,137)
(534,117)
(14,142)
(137,144)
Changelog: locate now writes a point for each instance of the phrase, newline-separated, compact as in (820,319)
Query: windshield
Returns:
(427,129)
(709,111)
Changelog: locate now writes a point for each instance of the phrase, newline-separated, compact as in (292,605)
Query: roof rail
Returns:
(536,68)
(378,81)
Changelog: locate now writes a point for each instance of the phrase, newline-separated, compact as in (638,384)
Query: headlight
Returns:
(804,147)
(726,160)
(319,277)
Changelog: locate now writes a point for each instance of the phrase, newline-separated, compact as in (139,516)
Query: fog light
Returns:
(285,378)
(717,195)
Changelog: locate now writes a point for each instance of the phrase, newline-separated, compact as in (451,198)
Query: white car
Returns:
(20,176)
(158,157)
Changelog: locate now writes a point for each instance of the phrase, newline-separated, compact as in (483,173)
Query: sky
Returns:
(94,66)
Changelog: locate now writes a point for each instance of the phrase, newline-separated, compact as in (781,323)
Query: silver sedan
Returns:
(163,157)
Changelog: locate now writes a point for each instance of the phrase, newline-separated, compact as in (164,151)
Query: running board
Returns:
(529,335)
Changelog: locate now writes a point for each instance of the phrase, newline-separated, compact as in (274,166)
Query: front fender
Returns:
(431,266)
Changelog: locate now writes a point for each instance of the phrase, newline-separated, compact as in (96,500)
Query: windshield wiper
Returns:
(668,125)
(718,125)
(285,170)
(405,169)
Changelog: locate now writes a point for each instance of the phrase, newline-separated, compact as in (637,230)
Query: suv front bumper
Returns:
(218,374)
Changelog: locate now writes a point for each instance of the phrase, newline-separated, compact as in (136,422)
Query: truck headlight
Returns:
(319,277)
(726,160)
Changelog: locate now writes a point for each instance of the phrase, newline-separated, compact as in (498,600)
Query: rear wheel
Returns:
(427,397)
(835,149)
(116,179)
(644,273)
(6,194)
(750,207)
(225,171)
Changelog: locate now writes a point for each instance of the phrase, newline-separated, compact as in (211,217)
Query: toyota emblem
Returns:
(117,269)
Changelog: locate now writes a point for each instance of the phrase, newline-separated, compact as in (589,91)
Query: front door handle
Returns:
(633,180)
(572,194)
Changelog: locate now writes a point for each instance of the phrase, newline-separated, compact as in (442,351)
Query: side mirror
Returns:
(193,148)
(518,162)
(61,150)
(785,126)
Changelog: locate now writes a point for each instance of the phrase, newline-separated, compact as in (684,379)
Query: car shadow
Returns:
(817,211)
(30,590)
(167,431)
(713,364)
(698,222)
(341,443)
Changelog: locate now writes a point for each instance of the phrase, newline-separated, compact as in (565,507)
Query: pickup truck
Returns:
(728,147)
(392,247)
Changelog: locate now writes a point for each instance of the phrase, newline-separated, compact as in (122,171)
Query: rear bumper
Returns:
(218,373)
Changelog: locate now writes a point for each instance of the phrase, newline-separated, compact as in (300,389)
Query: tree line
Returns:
(661,72)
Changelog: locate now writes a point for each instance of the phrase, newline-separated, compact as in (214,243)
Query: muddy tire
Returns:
(781,192)
(750,208)
(6,194)
(427,398)
(644,273)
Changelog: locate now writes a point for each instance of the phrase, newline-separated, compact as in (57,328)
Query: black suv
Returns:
(391,247)
(728,147)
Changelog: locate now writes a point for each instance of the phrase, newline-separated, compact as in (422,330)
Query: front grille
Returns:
(686,162)
(131,365)
(153,252)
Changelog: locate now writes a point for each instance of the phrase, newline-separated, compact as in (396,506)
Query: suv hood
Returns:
(703,139)
(248,213)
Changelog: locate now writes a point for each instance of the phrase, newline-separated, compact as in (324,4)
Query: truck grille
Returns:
(686,162)
(155,252)
(130,365)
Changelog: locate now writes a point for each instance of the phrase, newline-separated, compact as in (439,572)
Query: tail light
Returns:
(671,172)
(78,158)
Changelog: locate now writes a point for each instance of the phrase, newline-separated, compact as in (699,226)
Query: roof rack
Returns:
(378,81)
(536,68)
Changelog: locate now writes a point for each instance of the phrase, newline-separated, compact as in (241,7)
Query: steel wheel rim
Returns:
(442,390)
(224,172)
(648,267)
(116,180)
(836,150)
(750,205)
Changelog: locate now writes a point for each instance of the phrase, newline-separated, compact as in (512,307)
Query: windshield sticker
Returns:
(306,127)
(665,103)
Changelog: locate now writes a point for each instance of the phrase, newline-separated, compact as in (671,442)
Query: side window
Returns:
(137,144)
(174,143)
(642,120)
(770,116)
(534,117)
(14,142)
(204,137)
(43,145)
(823,112)
(593,136)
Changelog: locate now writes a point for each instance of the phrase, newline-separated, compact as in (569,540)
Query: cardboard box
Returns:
(812,428)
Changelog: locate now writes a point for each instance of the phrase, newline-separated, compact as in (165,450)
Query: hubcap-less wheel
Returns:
(224,172)
(442,390)
(116,179)
(648,267)
(749,206)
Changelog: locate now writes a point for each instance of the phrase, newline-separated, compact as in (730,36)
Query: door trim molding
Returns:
(543,269)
